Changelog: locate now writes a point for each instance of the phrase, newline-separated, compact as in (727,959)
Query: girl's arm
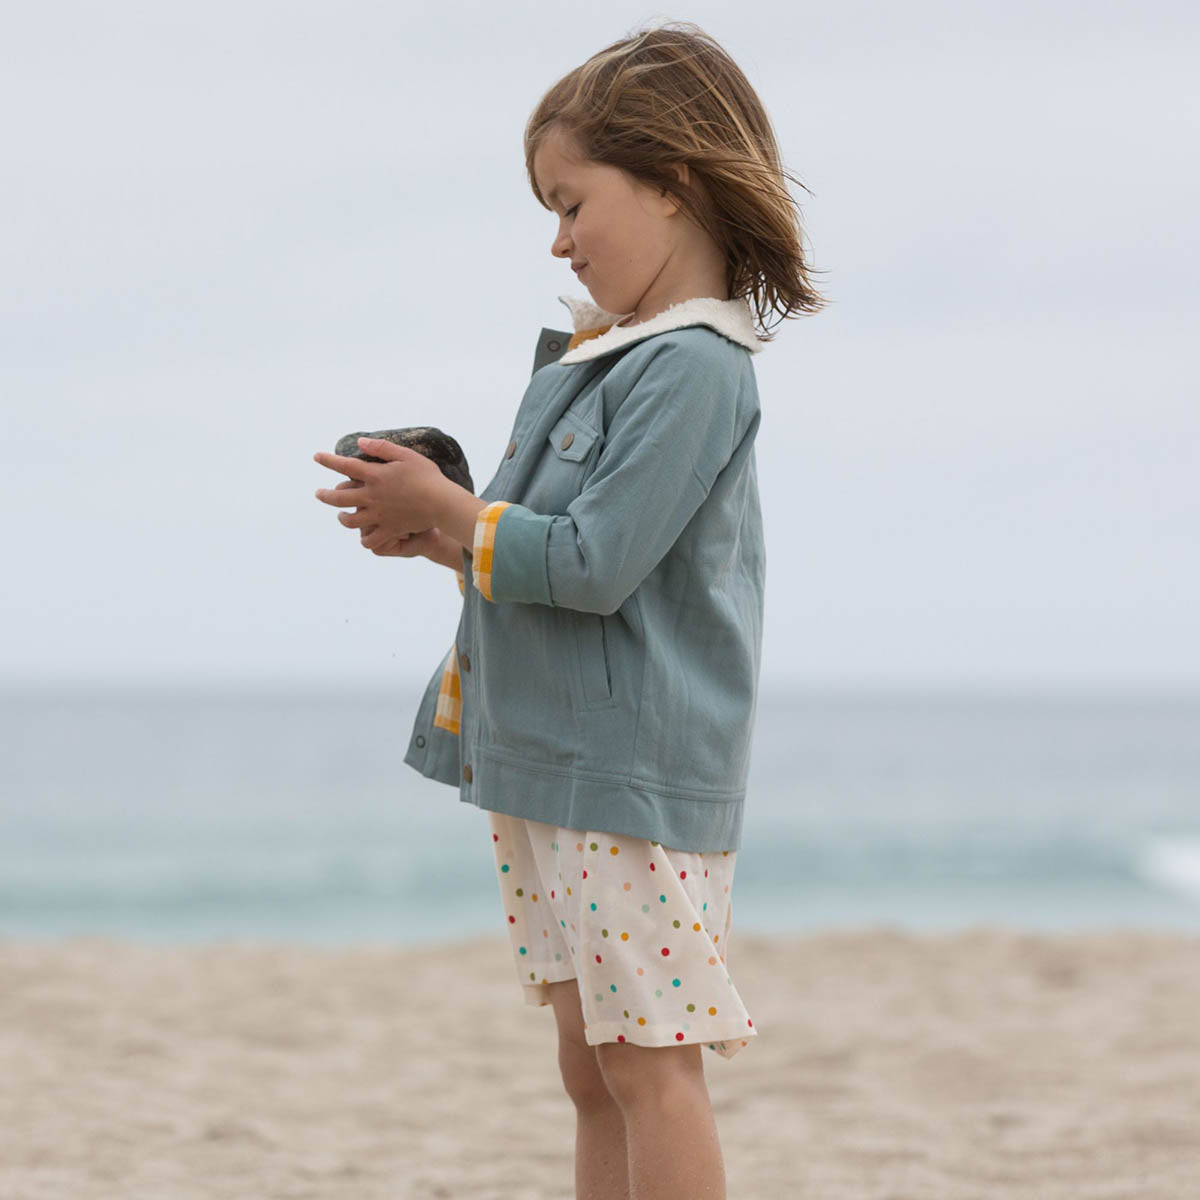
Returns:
(690,413)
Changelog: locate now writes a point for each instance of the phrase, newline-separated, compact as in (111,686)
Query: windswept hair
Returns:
(671,95)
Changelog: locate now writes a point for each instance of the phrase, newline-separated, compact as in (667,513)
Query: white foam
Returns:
(1173,863)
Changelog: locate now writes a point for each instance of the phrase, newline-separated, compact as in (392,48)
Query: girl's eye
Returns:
(573,208)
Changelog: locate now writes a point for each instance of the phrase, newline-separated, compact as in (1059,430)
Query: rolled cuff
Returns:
(483,546)
(515,543)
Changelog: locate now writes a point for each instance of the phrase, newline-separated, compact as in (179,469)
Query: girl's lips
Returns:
(579,269)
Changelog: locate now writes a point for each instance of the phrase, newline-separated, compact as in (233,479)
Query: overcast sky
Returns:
(232,232)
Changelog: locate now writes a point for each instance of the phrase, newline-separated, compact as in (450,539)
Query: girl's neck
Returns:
(659,307)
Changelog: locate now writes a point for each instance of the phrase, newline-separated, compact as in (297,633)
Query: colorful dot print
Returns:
(650,958)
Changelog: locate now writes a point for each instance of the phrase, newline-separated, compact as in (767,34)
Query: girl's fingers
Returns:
(355,468)
(398,548)
(338,497)
(374,537)
(379,541)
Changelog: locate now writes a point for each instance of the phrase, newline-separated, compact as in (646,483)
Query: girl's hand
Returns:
(426,544)
(369,529)
(399,496)
(432,543)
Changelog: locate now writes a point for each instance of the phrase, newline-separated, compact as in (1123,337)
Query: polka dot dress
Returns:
(644,929)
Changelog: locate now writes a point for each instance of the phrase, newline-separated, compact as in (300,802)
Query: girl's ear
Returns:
(681,170)
(672,204)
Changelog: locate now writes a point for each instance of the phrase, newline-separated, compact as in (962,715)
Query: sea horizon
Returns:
(166,811)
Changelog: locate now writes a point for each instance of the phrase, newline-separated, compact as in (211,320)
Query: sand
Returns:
(888,1066)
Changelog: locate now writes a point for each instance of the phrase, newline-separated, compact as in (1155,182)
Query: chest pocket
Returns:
(570,447)
(572,438)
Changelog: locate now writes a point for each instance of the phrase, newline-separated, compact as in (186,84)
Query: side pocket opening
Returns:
(594,669)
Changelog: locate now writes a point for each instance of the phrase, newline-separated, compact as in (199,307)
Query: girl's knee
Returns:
(651,1074)
(577,1063)
(582,1078)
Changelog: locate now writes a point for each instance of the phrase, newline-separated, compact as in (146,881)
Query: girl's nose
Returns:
(561,246)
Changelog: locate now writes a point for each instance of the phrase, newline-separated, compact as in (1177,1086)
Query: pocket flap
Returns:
(572,438)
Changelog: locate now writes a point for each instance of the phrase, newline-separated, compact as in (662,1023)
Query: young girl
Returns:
(599,698)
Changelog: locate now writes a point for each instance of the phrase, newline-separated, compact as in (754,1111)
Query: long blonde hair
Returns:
(669,95)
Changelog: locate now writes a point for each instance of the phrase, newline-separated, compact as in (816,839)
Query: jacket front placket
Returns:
(531,429)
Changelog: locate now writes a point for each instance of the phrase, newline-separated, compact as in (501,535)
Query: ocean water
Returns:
(174,814)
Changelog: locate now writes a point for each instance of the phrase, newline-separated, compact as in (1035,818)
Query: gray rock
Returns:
(425,439)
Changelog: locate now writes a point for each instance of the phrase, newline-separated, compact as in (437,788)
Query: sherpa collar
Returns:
(597,331)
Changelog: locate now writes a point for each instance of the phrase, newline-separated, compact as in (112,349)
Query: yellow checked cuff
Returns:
(481,552)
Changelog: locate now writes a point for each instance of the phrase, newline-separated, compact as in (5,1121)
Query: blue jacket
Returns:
(604,675)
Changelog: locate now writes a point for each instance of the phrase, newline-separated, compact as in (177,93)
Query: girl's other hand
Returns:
(410,545)
(431,543)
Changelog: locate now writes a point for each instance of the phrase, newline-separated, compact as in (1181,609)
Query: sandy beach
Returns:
(888,1066)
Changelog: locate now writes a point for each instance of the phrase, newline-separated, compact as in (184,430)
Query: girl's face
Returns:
(616,231)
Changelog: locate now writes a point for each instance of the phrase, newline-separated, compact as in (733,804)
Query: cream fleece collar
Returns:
(731,318)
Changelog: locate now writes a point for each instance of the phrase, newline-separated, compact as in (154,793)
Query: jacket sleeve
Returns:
(667,442)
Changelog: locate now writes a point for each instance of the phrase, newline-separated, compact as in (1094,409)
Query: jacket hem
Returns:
(435,765)
(696,824)
(613,780)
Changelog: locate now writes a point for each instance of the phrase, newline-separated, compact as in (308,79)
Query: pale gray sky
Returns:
(232,232)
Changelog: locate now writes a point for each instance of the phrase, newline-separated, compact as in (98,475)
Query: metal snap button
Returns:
(420,739)
(467,772)
(553,345)
(566,442)
(512,449)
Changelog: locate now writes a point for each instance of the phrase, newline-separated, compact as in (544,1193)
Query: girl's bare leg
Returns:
(601,1161)
(669,1126)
